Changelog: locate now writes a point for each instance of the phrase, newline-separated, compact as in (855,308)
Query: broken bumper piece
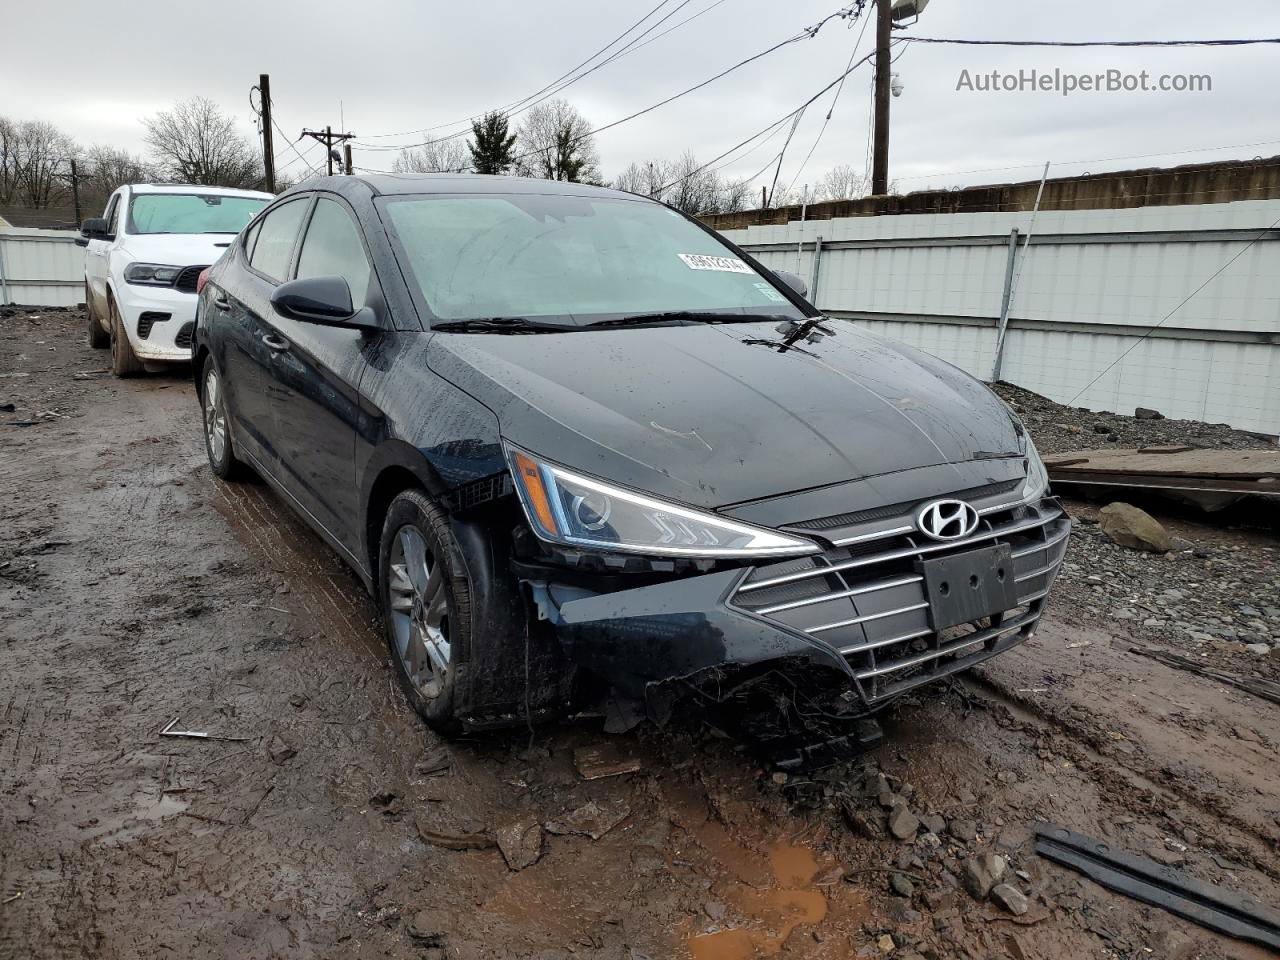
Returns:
(873,614)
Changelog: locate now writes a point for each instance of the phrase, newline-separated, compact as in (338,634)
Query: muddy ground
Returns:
(136,590)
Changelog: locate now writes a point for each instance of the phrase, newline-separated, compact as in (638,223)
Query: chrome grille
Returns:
(869,601)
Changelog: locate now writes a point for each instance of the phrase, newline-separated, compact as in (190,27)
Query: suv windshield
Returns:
(570,260)
(191,213)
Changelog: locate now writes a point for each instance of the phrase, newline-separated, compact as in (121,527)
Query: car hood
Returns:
(177,249)
(717,415)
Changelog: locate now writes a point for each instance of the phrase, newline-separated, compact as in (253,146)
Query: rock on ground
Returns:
(1130,527)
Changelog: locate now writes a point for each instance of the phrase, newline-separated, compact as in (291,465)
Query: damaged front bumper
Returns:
(861,613)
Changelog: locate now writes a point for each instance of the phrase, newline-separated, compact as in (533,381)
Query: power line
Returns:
(832,109)
(275,123)
(1094,43)
(807,33)
(1248,246)
(776,123)
(532,100)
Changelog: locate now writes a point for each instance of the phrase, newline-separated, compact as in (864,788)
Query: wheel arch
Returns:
(395,466)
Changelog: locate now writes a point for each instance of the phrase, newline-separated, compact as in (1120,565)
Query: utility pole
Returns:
(74,178)
(346,155)
(328,138)
(268,154)
(75,189)
(880,156)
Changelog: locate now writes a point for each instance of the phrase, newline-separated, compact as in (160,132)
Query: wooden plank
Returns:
(1236,465)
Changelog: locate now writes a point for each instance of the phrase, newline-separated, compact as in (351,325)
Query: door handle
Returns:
(274,342)
(222,303)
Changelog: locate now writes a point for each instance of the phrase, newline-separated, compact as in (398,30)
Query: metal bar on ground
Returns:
(1214,908)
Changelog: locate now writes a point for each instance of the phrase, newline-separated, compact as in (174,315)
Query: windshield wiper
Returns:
(679,318)
(500,325)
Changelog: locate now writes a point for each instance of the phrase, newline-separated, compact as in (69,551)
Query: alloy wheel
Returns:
(419,611)
(215,416)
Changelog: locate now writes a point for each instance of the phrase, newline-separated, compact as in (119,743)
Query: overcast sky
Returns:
(96,69)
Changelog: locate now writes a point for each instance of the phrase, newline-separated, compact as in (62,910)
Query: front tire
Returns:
(98,337)
(425,594)
(217,425)
(124,362)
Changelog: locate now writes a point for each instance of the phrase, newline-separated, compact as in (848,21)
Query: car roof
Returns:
(198,188)
(402,184)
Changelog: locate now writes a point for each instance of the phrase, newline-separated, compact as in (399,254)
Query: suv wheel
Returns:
(98,337)
(217,428)
(124,362)
(425,595)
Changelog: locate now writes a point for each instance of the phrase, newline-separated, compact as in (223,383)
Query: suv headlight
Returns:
(151,274)
(573,510)
(1037,475)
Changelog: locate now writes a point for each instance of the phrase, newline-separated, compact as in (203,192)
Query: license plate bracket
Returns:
(968,586)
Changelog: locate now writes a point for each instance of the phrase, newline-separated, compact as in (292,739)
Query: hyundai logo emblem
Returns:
(947,520)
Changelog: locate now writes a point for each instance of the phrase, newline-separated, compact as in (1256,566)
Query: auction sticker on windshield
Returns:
(701,261)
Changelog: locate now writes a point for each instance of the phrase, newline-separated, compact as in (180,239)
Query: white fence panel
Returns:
(41,267)
(1094,284)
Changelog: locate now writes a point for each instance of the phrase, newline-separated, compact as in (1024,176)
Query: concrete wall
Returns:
(41,267)
(1094,286)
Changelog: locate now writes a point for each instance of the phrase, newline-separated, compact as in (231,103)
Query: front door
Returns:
(316,371)
(95,255)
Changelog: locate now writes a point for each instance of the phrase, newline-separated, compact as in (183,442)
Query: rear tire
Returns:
(124,362)
(98,337)
(217,424)
(425,594)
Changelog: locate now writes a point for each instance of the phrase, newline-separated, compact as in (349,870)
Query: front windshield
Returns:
(191,213)
(569,260)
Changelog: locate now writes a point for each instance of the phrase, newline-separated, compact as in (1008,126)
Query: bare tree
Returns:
(693,190)
(735,195)
(34,158)
(648,178)
(8,160)
(196,142)
(843,183)
(438,156)
(107,168)
(556,144)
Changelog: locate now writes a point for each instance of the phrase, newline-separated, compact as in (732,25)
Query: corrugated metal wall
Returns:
(41,267)
(1093,285)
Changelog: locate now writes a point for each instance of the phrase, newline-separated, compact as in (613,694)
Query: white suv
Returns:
(142,262)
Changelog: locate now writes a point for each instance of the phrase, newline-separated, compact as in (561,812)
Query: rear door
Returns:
(317,371)
(243,303)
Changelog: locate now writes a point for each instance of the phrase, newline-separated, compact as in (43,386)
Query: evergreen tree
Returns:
(491,147)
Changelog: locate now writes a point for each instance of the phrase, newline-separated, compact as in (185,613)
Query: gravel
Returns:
(1061,429)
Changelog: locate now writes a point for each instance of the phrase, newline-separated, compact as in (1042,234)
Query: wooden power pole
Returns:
(880,155)
(328,138)
(268,154)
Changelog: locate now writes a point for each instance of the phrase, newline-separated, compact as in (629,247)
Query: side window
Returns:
(332,248)
(112,216)
(250,238)
(274,243)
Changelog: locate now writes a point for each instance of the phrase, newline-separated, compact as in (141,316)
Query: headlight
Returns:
(577,511)
(151,274)
(1037,476)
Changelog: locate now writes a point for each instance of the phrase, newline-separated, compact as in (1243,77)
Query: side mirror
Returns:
(95,228)
(322,300)
(793,280)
